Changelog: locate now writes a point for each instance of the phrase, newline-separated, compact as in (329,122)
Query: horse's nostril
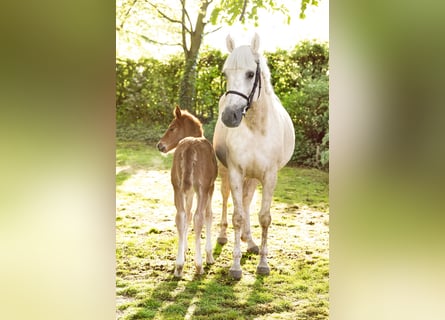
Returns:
(231,118)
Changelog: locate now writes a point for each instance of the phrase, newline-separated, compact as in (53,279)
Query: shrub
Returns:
(147,90)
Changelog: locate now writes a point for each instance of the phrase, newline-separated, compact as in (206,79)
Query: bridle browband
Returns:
(256,83)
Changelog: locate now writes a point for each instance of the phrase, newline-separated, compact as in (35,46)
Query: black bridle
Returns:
(256,83)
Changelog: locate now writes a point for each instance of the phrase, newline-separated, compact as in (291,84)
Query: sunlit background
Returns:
(274,30)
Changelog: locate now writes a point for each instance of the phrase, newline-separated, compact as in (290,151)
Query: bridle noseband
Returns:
(256,83)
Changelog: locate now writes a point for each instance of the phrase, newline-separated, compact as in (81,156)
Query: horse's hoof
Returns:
(263,270)
(236,274)
(199,270)
(254,250)
(222,240)
(178,272)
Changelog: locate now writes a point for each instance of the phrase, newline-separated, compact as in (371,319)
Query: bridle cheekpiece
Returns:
(256,83)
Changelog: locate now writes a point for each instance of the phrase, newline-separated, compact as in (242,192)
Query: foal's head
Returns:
(183,125)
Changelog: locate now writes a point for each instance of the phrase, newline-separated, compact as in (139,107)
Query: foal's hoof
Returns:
(265,271)
(222,240)
(254,250)
(236,274)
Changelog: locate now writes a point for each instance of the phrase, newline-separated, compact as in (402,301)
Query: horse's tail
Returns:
(188,164)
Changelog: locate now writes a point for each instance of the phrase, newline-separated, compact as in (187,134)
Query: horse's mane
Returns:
(241,58)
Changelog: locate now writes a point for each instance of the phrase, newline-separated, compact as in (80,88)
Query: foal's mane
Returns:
(187,115)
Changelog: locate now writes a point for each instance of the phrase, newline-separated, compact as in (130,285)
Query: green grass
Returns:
(302,186)
(141,155)
(146,244)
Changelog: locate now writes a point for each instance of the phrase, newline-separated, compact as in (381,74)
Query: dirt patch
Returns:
(145,219)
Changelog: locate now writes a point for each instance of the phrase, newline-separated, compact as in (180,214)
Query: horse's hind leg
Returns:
(249,188)
(236,182)
(225,192)
(269,183)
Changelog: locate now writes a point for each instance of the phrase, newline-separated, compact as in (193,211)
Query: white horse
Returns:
(254,138)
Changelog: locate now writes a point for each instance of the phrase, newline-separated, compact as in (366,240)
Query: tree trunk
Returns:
(187,91)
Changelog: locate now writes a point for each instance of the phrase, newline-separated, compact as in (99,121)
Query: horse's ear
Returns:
(230,43)
(177,112)
(255,43)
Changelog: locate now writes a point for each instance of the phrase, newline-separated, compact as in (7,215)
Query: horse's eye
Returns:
(172,128)
(250,74)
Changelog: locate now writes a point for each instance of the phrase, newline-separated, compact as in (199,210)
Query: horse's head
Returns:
(243,71)
(183,125)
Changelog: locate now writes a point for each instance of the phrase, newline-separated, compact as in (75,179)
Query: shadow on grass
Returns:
(213,295)
(149,308)
(207,296)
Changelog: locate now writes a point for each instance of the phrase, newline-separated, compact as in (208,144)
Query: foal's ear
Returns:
(255,45)
(230,43)
(177,112)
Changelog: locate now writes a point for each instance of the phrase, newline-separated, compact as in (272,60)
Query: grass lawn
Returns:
(146,246)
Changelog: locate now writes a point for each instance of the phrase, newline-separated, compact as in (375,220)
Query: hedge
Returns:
(147,90)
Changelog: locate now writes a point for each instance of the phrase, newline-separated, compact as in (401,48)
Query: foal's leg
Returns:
(188,209)
(236,184)
(197,226)
(269,182)
(225,192)
(188,205)
(181,225)
(208,222)
(249,188)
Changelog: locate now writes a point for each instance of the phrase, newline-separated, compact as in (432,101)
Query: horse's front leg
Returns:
(269,182)
(249,188)
(236,185)
(225,192)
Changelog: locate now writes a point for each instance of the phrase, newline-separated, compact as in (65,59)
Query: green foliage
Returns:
(210,84)
(147,91)
(304,4)
(301,80)
(228,11)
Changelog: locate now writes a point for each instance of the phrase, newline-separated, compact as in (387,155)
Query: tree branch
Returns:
(166,17)
(147,39)
(244,10)
(124,19)
(183,29)
(184,10)
(219,28)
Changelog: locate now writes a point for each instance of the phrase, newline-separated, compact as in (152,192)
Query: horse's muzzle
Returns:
(232,117)
(161,147)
